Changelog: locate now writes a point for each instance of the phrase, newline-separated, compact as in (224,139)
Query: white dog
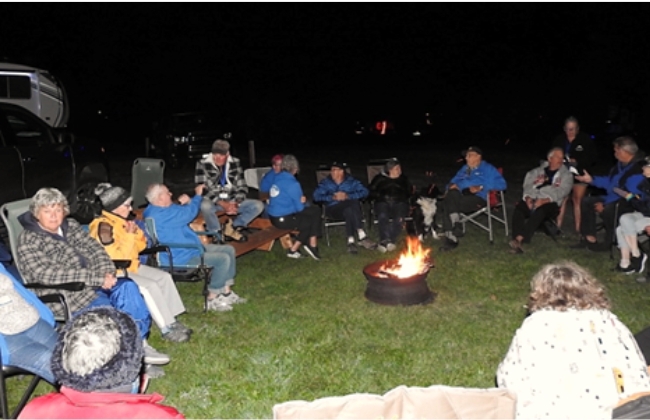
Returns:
(428,206)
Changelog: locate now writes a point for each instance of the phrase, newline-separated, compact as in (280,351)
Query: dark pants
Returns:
(348,210)
(456,202)
(306,222)
(526,222)
(390,217)
(609,216)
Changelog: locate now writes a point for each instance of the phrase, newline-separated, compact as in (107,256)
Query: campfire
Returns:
(414,260)
(401,281)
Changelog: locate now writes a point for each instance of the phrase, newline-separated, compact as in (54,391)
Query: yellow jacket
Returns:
(110,230)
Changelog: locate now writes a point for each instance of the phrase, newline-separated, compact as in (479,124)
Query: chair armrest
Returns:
(74,286)
(155,250)
(185,246)
(122,264)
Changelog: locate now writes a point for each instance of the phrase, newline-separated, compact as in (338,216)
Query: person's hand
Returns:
(647,230)
(573,160)
(541,201)
(198,190)
(585,178)
(303,199)
(599,207)
(475,188)
(231,208)
(109,281)
(184,199)
(131,227)
(453,187)
(530,202)
(340,196)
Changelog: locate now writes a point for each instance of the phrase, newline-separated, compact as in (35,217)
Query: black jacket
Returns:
(582,149)
(385,188)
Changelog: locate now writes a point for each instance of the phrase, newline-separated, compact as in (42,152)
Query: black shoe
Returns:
(597,247)
(638,263)
(627,270)
(352,248)
(312,251)
(449,245)
(551,229)
(457,230)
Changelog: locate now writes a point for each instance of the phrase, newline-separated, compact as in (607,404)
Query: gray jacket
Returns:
(560,187)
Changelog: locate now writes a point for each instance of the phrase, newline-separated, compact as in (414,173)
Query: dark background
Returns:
(296,75)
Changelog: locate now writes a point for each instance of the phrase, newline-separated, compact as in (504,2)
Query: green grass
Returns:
(308,332)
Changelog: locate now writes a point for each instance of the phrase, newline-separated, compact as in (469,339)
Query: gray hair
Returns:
(46,197)
(290,164)
(153,192)
(553,150)
(573,120)
(627,143)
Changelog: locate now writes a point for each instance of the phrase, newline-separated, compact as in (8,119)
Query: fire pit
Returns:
(401,281)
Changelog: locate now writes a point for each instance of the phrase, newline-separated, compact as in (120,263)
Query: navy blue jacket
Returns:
(351,186)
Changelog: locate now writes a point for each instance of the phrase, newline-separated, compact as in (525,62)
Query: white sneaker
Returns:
(219,304)
(233,298)
(153,356)
(390,247)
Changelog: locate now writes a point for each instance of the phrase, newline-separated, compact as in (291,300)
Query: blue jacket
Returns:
(284,195)
(484,174)
(172,226)
(631,184)
(267,181)
(31,298)
(350,185)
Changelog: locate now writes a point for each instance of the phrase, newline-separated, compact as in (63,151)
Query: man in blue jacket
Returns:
(341,193)
(467,192)
(625,176)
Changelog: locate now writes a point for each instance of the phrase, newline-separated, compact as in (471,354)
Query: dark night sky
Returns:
(308,62)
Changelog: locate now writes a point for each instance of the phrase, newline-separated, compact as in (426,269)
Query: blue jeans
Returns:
(222,259)
(125,296)
(32,349)
(248,210)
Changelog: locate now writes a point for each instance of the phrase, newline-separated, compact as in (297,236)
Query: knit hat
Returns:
(390,164)
(220,147)
(112,197)
(340,165)
(100,349)
(646,161)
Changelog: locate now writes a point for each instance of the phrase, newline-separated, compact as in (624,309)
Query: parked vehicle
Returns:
(185,137)
(36,90)
(34,155)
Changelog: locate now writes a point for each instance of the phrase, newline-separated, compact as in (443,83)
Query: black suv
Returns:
(34,155)
(185,137)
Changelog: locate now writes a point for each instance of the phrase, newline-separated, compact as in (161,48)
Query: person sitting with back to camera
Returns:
(53,249)
(287,210)
(225,190)
(467,192)
(625,175)
(633,259)
(571,357)
(124,240)
(172,226)
(390,192)
(545,189)
(27,334)
(98,361)
(341,193)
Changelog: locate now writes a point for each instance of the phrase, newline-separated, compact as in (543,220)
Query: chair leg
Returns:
(26,396)
(3,398)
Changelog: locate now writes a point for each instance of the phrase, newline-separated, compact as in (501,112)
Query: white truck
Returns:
(36,90)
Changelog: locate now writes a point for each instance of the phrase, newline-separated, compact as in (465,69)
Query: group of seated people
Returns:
(54,249)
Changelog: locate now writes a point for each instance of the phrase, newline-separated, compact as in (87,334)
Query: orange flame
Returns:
(414,260)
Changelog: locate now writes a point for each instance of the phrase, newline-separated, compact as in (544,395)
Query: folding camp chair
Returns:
(144,172)
(9,213)
(180,273)
(323,172)
(494,210)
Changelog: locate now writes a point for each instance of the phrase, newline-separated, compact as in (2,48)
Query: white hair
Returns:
(153,192)
(46,197)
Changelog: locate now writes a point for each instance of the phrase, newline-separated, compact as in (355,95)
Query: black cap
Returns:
(391,163)
(472,149)
(341,165)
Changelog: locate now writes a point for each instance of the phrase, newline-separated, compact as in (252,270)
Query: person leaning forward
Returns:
(467,192)
(225,190)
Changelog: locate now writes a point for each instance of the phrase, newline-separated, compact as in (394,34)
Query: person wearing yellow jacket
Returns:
(123,240)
